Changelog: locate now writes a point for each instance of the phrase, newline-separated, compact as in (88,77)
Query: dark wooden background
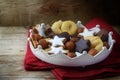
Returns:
(31,12)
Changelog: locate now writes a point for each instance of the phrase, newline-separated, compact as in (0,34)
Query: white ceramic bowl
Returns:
(83,60)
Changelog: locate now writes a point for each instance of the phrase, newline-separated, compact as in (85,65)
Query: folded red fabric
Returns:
(33,63)
(107,68)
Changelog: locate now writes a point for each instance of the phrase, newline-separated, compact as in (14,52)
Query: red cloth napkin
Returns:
(107,68)
(33,63)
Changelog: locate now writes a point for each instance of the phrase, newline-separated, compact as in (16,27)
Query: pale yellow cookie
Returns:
(56,27)
(96,42)
(69,26)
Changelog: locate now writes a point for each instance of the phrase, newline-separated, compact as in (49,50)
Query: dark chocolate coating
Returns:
(103,34)
(48,32)
(82,45)
(65,35)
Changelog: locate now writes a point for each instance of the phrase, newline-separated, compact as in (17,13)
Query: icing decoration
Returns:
(86,33)
(57,50)
(57,41)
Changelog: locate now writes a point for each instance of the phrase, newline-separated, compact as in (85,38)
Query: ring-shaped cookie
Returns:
(56,27)
(69,26)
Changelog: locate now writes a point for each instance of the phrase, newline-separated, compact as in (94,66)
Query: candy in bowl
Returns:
(67,43)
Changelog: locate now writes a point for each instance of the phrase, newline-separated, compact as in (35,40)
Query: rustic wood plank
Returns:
(13,40)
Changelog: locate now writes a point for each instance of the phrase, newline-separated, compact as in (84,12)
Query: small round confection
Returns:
(64,35)
(71,54)
(93,52)
(43,43)
(82,45)
(74,39)
(70,46)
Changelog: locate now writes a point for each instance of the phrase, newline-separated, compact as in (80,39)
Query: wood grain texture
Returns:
(30,12)
(12,52)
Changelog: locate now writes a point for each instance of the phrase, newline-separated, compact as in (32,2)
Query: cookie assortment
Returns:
(65,37)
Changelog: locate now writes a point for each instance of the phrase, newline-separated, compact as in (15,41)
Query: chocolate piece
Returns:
(43,43)
(82,45)
(103,34)
(70,46)
(93,52)
(74,39)
(106,45)
(48,32)
(65,35)
(71,54)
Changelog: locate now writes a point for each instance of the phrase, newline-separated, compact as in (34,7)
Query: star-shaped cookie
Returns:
(57,50)
(87,33)
(57,41)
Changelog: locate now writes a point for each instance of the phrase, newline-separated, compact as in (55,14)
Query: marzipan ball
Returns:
(43,43)
(70,46)
(35,31)
(71,54)
(93,52)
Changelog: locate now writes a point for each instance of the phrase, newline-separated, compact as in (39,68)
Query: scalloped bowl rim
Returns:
(83,60)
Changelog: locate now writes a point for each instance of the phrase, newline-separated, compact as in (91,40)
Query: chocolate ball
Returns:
(74,39)
(93,52)
(70,46)
(43,43)
(71,54)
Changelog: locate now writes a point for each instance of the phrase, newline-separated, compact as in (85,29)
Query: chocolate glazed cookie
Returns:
(82,45)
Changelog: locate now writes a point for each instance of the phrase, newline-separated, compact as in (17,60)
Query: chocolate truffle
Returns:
(93,52)
(70,46)
(82,45)
(43,43)
(71,54)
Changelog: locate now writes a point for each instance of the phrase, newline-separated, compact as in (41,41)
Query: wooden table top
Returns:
(12,51)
